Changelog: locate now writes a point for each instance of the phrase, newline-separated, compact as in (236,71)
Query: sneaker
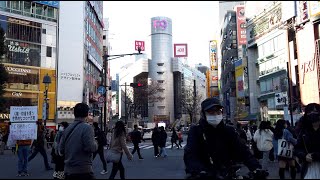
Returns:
(19,174)
(26,174)
(104,172)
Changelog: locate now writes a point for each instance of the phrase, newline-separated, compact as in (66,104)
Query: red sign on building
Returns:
(138,44)
(241,25)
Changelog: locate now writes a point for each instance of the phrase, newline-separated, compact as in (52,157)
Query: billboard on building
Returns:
(302,11)
(314,8)
(241,25)
(308,69)
(213,55)
(180,50)
(239,79)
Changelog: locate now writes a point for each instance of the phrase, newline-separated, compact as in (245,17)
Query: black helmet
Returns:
(209,103)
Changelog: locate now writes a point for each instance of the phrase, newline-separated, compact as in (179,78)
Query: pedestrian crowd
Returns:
(212,148)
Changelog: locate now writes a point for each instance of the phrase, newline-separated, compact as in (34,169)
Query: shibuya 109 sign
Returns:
(160,24)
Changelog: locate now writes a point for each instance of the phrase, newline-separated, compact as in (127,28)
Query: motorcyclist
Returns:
(213,147)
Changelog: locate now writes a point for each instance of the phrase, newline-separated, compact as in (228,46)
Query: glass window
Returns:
(263,86)
(15,5)
(3,4)
(271,104)
(260,51)
(39,9)
(49,51)
(50,12)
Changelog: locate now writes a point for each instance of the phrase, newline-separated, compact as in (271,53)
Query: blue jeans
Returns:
(163,152)
(23,152)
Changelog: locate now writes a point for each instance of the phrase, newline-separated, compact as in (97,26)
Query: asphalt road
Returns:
(171,167)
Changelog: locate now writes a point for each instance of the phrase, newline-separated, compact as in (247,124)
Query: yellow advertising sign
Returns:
(213,55)
(314,8)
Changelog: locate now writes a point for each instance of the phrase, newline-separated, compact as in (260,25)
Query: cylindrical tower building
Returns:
(160,69)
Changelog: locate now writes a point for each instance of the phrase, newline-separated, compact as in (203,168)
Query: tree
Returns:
(3,72)
(191,103)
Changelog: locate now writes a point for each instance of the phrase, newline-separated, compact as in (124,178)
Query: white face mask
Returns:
(214,120)
(61,128)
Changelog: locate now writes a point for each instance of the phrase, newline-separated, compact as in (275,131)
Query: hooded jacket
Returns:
(220,148)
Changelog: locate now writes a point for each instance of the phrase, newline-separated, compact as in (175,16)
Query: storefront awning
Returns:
(250,117)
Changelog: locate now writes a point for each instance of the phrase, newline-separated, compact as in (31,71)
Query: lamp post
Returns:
(46,81)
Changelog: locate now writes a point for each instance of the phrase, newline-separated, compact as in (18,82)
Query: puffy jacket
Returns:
(222,145)
(263,138)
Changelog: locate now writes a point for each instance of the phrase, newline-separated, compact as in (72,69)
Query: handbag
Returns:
(113,156)
(285,149)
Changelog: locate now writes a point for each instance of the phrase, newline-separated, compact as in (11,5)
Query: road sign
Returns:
(100,105)
(101,90)
(101,99)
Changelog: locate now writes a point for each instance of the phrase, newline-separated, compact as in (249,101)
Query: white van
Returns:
(147,133)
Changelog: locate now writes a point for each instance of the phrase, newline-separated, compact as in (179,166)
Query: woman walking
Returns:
(174,138)
(263,137)
(281,132)
(308,145)
(163,140)
(180,137)
(118,143)
(56,158)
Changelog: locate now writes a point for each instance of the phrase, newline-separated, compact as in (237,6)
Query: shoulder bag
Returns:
(285,148)
(113,156)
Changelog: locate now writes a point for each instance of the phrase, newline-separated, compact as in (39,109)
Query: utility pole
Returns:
(125,103)
(105,65)
(290,91)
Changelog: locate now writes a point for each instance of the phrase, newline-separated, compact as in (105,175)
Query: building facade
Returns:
(229,54)
(160,68)
(81,47)
(31,42)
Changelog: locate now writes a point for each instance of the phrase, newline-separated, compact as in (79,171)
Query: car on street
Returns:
(147,133)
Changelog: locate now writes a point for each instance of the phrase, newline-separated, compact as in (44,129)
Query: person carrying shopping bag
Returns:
(117,146)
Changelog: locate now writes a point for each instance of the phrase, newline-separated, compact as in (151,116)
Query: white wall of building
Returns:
(71,55)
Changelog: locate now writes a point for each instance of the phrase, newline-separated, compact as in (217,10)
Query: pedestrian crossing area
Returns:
(150,146)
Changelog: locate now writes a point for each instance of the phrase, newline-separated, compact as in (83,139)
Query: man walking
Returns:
(78,145)
(101,143)
(38,145)
(136,139)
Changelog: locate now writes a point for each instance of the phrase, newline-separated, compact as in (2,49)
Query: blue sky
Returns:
(194,23)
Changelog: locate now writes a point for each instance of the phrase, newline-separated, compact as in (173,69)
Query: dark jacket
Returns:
(308,142)
(174,137)
(136,136)
(98,136)
(155,137)
(222,144)
(163,138)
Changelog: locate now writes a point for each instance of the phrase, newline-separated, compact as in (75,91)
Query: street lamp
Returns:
(46,81)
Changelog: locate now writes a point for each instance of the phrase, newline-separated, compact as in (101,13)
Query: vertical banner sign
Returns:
(138,44)
(241,25)
(23,122)
(180,50)
(213,68)
(213,55)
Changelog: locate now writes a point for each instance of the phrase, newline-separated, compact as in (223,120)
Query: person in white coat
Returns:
(263,137)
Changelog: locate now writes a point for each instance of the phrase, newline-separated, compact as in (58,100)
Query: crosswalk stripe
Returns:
(148,147)
(168,147)
(143,146)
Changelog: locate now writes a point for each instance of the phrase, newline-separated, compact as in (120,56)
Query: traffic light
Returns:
(136,85)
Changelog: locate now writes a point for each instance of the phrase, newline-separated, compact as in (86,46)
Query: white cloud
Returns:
(194,23)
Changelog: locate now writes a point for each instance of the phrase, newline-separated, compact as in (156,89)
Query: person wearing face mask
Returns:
(212,146)
(308,144)
(56,158)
